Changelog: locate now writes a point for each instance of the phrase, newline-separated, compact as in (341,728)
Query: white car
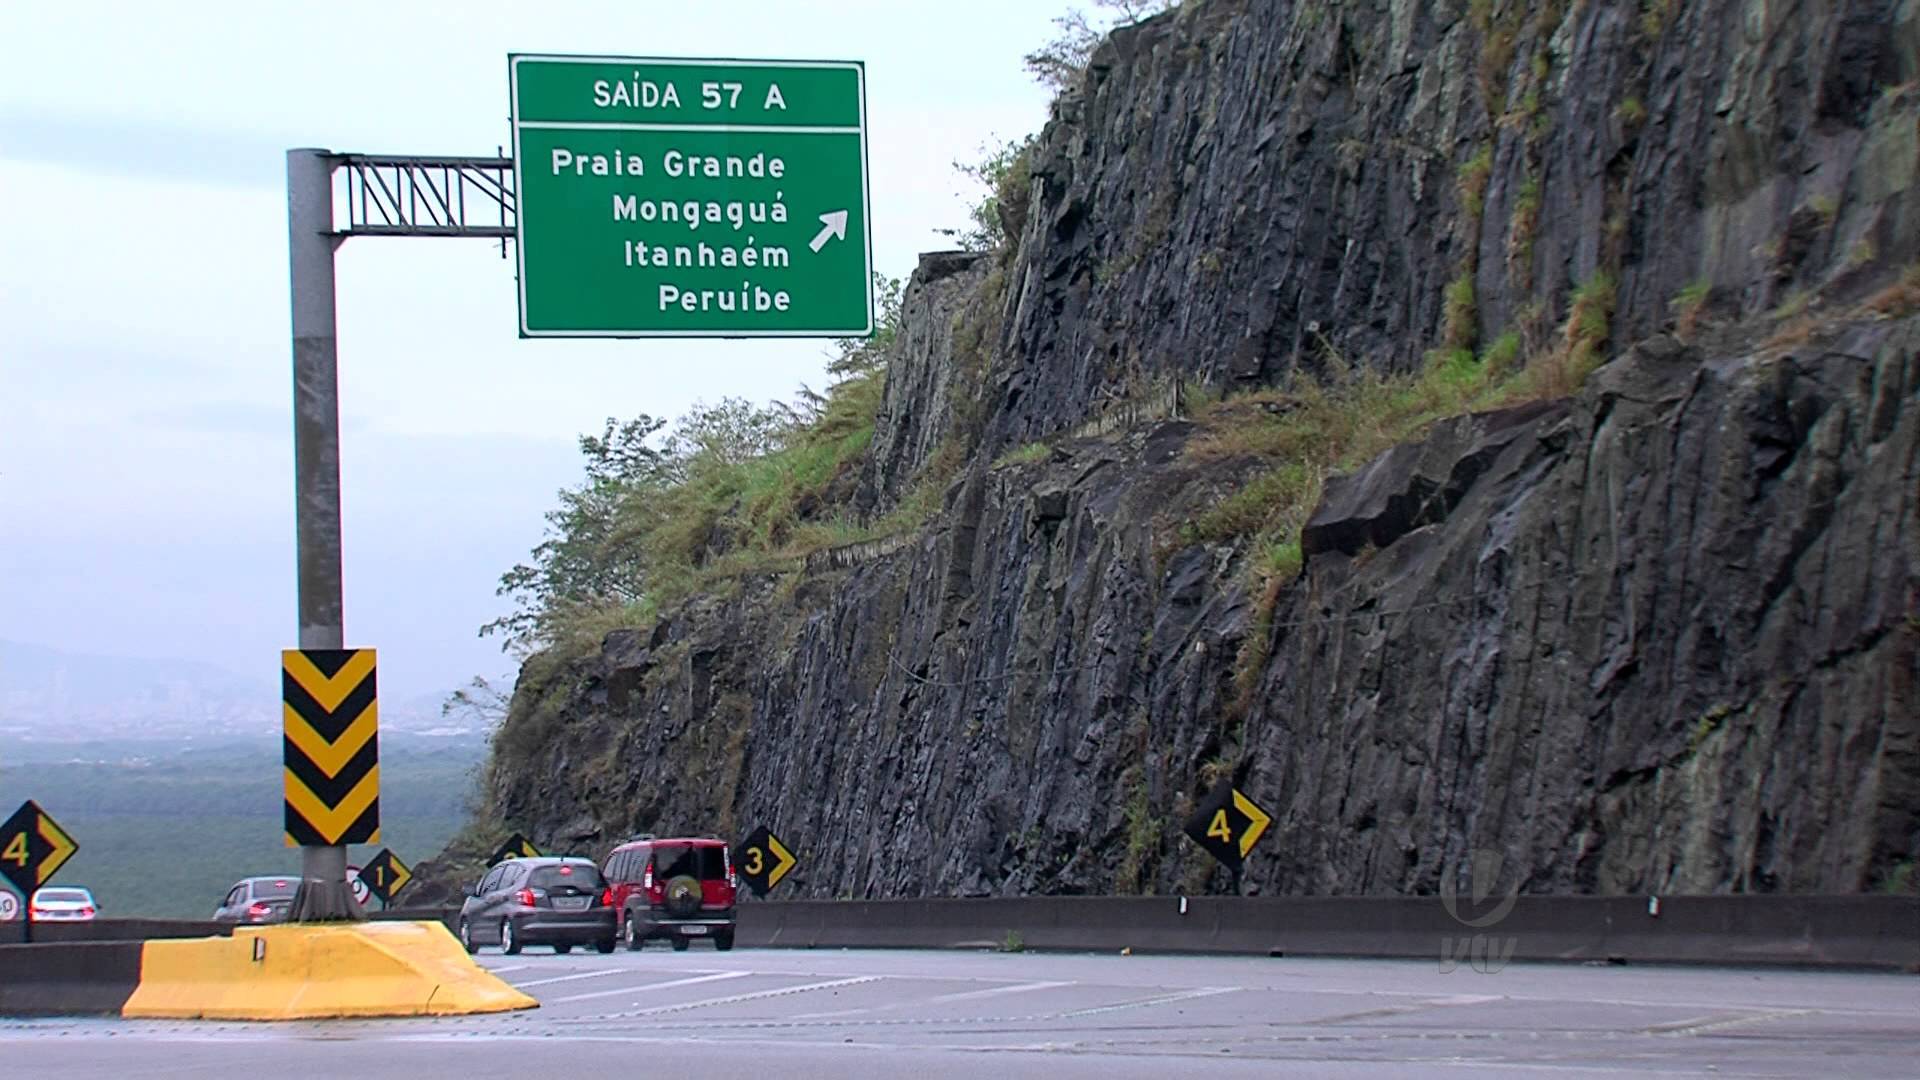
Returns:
(63,905)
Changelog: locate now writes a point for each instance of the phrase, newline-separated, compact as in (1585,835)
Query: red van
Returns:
(678,888)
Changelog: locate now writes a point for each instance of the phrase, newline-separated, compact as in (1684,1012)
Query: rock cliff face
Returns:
(1661,635)
(1658,638)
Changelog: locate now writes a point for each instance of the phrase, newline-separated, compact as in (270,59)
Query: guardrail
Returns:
(1819,931)
(1837,931)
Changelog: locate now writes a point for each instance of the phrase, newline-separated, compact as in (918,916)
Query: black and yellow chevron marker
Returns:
(763,860)
(515,847)
(386,875)
(332,747)
(32,847)
(1228,823)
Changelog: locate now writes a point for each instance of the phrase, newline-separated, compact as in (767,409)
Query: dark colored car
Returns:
(258,900)
(560,902)
(680,889)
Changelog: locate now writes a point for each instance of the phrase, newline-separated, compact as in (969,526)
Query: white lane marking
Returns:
(755,996)
(1403,1010)
(943,999)
(1722,1021)
(509,967)
(896,976)
(1467,999)
(1143,1003)
(599,974)
(992,991)
(717,977)
(1562,999)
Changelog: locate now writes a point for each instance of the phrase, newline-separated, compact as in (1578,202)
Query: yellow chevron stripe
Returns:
(63,847)
(1257,822)
(328,693)
(291,842)
(331,757)
(333,822)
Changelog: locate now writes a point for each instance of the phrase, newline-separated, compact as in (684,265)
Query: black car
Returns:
(544,901)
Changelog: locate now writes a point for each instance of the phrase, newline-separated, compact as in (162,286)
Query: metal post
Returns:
(324,895)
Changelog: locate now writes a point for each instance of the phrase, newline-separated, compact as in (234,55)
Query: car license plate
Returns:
(695,929)
(570,903)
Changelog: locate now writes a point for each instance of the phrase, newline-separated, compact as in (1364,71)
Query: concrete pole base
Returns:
(324,894)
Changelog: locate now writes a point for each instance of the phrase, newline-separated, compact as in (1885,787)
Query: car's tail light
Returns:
(526,897)
(257,911)
(86,909)
(646,880)
(606,898)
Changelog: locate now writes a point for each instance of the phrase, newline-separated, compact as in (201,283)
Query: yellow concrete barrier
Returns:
(318,972)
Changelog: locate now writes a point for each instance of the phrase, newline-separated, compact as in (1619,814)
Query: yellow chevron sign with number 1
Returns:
(331,752)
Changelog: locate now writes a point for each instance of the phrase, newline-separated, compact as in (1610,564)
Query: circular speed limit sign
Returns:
(9,906)
(360,891)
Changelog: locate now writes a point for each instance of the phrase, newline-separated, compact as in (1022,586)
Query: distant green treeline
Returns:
(165,828)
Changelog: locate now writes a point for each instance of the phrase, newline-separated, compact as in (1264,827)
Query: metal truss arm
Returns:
(391,195)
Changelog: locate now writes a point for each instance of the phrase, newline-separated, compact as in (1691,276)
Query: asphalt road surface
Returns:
(934,1015)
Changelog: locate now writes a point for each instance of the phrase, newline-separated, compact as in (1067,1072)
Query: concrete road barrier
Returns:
(85,979)
(259,973)
(318,972)
(1836,931)
(14,933)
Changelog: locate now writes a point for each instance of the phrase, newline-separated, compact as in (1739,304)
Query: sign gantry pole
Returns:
(331,715)
(324,894)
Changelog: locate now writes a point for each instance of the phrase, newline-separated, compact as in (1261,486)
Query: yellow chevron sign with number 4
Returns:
(1228,823)
(33,848)
(331,752)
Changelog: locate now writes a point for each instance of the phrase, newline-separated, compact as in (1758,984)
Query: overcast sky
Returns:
(146,460)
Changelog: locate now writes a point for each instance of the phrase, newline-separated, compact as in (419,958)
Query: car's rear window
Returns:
(581,877)
(675,860)
(275,887)
(63,895)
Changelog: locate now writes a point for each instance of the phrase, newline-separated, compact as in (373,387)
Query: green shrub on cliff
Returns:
(1309,430)
(1059,63)
(1004,171)
(663,512)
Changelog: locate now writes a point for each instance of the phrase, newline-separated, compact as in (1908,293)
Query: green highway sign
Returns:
(691,198)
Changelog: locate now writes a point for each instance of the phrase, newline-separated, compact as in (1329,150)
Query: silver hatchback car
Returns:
(258,900)
(560,902)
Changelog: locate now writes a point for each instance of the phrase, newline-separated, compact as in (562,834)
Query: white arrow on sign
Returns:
(834,226)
